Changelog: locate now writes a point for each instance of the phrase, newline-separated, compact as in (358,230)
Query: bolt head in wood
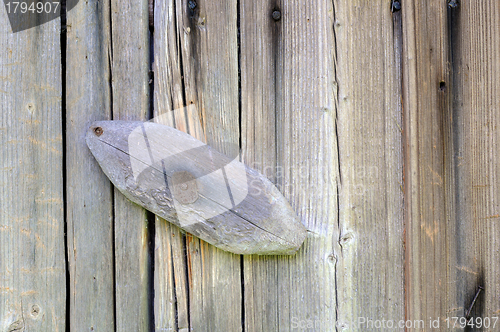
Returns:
(185,187)
(453,3)
(396,6)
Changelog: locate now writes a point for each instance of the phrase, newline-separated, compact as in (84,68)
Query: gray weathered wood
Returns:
(196,66)
(188,183)
(429,182)
(32,266)
(130,91)
(370,275)
(292,61)
(475,31)
(260,38)
(320,117)
(171,296)
(89,194)
(295,72)
(451,99)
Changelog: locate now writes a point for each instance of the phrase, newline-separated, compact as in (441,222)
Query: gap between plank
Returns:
(63,43)
(151,219)
(113,214)
(240,107)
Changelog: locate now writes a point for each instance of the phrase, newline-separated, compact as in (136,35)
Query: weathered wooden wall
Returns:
(90,222)
(32,260)
(380,128)
(451,121)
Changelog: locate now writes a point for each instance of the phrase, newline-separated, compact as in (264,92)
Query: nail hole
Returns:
(35,310)
(98,131)
(276,15)
(332,258)
(442,86)
(31,106)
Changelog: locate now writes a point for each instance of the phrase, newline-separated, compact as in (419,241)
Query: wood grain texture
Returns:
(289,112)
(475,33)
(305,70)
(196,71)
(130,93)
(370,274)
(32,263)
(89,194)
(214,275)
(430,242)
(260,38)
(171,298)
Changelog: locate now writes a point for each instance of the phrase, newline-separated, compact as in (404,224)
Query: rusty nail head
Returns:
(98,131)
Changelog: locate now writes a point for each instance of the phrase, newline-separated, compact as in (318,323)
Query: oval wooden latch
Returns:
(204,192)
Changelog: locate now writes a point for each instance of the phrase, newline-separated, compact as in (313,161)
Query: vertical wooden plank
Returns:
(320,103)
(130,91)
(171,285)
(431,241)
(260,47)
(370,276)
(196,73)
(260,40)
(307,157)
(475,47)
(214,275)
(32,263)
(289,110)
(89,194)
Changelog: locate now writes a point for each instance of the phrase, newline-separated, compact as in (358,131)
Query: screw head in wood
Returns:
(185,187)
(276,15)
(396,6)
(453,3)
